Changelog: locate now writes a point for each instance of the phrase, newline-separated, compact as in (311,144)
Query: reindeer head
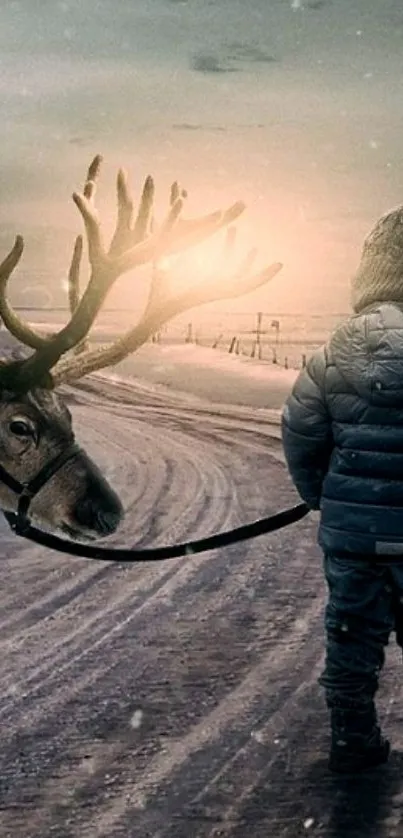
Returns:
(66,489)
(36,433)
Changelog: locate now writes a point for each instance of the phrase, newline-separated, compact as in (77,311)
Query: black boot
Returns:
(357,742)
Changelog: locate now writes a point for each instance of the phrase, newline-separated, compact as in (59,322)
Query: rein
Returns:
(20,524)
(157,554)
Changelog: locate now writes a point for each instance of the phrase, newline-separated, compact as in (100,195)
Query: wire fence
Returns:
(282,338)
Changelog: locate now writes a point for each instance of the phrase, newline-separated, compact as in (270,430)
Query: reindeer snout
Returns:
(102,514)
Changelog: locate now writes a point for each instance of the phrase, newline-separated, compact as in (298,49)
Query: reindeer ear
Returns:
(10,366)
(16,357)
(11,358)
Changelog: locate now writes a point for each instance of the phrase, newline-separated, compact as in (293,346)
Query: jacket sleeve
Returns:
(307,431)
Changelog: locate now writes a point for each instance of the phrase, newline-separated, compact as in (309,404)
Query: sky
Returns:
(293,106)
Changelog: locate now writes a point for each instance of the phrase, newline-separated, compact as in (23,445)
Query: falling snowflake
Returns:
(88,765)
(136,719)
(308,823)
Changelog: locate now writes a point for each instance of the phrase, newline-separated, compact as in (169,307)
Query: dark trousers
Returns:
(365,605)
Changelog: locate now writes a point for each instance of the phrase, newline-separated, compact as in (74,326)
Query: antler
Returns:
(132,245)
(14,324)
(162,306)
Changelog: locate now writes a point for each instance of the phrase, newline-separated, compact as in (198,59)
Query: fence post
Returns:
(286,363)
(217,341)
(303,361)
(274,361)
(232,345)
(237,348)
(189,335)
(259,332)
(275,324)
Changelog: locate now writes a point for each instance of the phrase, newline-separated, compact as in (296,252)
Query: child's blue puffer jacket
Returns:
(342,429)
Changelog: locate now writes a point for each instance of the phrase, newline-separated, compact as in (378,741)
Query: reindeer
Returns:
(42,469)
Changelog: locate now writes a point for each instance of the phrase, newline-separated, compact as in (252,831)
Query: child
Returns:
(342,430)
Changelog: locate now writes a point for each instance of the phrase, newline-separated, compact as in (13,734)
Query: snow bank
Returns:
(209,374)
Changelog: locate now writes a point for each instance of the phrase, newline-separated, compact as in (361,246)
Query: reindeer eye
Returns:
(19,427)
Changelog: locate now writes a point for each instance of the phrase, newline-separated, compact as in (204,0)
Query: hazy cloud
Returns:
(205,63)
(259,101)
(185,126)
(243,52)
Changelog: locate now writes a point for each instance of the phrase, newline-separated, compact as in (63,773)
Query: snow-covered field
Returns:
(210,374)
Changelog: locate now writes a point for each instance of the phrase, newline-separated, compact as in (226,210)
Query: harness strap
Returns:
(26,491)
(50,468)
(11,481)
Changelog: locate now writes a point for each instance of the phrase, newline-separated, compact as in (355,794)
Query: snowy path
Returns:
(175,700)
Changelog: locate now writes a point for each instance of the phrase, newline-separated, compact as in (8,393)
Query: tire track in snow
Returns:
(215,486)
